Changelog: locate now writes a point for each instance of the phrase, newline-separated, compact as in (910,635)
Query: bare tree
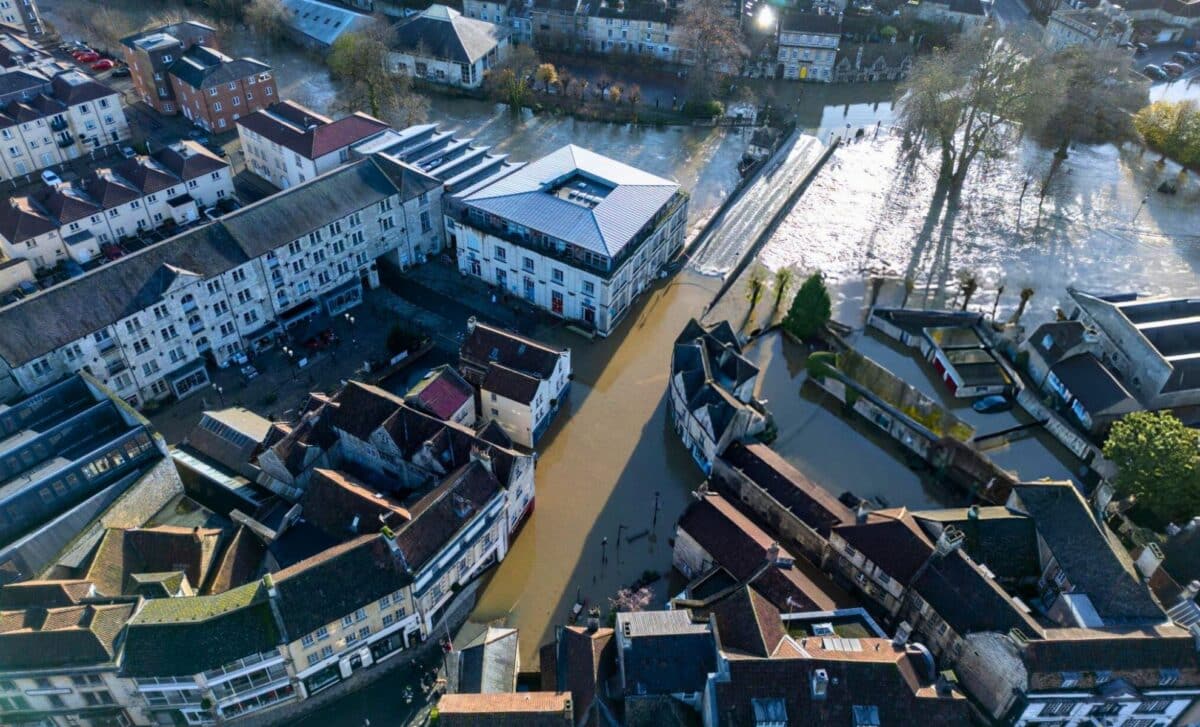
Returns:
(715,43)
(267,18)
(359,60)
(971,100)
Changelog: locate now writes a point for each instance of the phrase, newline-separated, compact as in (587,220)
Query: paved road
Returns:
(724,246)
(1014,14)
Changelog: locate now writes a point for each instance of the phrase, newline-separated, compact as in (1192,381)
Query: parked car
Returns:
(1183,57)
(198,135)
(51,178)
(112,251)
(249,372)
(81,50)
(239,359)
(72,269)
(120,71)
(216,149)
(103,64)
(89,57)
(992,404)
(1154,73)
(127,152)
(1140,49)
(1193,55)
(1174,70)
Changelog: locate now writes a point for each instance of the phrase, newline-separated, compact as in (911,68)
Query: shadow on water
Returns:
(601,472)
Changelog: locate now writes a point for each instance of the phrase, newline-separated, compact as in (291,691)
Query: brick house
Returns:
(151,53)
(214,90)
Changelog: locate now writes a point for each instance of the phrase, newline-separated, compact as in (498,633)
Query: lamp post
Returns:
(220,393)
(654,520)
(291,354)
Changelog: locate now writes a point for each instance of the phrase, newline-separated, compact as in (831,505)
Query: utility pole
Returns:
(604,551)
(620,527)
(654,520)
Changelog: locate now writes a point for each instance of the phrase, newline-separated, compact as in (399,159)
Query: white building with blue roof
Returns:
(575,232)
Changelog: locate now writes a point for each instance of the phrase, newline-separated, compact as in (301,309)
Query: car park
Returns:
(51,178)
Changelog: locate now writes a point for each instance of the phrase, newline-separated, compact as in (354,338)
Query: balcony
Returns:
(196,326)
(64,143)
(58,123)
(190,306)
(116,367)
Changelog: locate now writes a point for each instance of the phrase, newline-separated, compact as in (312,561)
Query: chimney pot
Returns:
(860,515)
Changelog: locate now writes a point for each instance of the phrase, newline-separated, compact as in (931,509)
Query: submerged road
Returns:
(721,248)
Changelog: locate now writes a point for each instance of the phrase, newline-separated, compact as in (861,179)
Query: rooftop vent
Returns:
(820,684)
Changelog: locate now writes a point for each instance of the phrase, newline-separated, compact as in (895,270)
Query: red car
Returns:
(103,65)
(80,51)
(89,57)
(1174,70)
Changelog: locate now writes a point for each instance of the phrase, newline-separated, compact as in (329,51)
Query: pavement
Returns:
(282,384)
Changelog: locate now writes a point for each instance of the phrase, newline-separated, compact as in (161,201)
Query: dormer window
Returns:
(1070,679)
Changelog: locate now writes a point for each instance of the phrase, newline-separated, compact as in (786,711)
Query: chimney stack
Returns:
(1191,591)
(860,515)
(773,553)
(593,620)
(903,631)
(471,324)
(949,541)
(481,455)
(1149,560)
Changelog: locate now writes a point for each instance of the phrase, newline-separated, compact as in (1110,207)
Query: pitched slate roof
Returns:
(72,87)
(188,160)
(185,636)
(443,33)
(440,393)
(204,67)
(1128,649)
(968,600)
(811,503)
(811,22)
(739,545)
(308,133)
(336,582)
(486,344)
(344,507)
(892,685)
(447,509)
(665,652)
(514,709)
(527,197)
(892,540)
(44,593)
(1094,385)
(146,174)
(510,383)
(1096,563)
(1056,338)
(487,665)
(108,189)
(37,638)
(578,661)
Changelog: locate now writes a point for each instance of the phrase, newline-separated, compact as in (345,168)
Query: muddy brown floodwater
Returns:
(600,467)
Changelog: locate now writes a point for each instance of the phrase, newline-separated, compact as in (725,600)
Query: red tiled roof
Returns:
(442,393)
(308,133)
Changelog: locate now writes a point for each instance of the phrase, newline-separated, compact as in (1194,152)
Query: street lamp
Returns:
(291,354)
(220,393)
